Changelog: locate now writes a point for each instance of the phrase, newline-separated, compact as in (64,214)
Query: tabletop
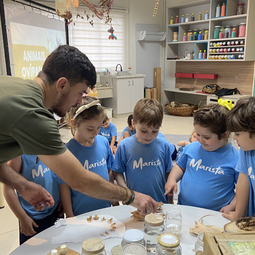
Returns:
(41,244)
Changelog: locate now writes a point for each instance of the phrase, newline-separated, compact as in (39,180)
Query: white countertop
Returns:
(41,244)
(126,76)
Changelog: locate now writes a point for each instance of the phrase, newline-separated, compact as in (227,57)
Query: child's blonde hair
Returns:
(95,111)
(241,118)
(212,116)
(148,112)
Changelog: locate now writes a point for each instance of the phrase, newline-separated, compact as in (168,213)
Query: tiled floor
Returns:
(9,239)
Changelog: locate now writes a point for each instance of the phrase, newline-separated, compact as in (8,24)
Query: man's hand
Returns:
(36,195)
(144,203)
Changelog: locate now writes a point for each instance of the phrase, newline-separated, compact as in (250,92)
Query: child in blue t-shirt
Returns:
(144,157)
(182,144)
(32,222)
(93,152)
(109,131)
(129,129)
(241,121)
(206,168)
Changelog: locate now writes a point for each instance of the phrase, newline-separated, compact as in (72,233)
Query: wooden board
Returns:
(69,251)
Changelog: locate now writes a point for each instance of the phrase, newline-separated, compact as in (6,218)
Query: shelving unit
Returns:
(177,50)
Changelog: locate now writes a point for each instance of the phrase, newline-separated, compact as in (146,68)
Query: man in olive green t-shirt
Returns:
(28,127)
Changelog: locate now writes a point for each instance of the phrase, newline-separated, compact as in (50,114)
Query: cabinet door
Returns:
(123,96)
(137,91)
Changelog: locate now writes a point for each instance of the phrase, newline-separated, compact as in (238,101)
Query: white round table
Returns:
(41,244)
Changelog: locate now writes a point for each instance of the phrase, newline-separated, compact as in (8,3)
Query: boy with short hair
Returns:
(144,157)
(241,121)
(109,131)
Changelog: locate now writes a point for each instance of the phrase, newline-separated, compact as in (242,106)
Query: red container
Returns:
(184,75)
(205,76)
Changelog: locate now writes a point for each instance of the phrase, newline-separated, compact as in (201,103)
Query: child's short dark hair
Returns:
(212,116)
(241,118)
(148,112)
(129,120)
(106,118)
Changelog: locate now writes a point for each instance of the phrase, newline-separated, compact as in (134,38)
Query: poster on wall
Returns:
(31,38)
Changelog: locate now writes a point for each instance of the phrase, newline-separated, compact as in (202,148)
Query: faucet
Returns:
(120,67)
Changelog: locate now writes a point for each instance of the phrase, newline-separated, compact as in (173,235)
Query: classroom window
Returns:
(95,43)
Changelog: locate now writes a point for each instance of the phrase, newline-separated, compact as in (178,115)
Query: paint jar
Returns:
(216,32)
(195,34)
(233,32)
(182,19)
(221,34)
(192,18)
(206,15)
(242,29)
(204,54)
(236,29)
(199,16)
(240,9)
(176,19)
(187,18)
(191,36)
(200,36)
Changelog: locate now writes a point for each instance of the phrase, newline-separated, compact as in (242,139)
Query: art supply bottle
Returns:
(200,54)
(217,11)
(187,18)
(221,35)
(195,34)
(171,20)
(206,35)
(182,19)
(204,54)
(233,33)
(176,19)
(206,15)
(223,10)
(227,32)
(242,29)
(184,38)
(199,35)
(192,18)
(199,16)
(190,36)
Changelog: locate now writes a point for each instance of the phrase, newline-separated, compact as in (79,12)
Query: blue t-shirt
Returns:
(97,158)
(210,176)
(109,132)
(129,131)
(144,165)
(246,165)
(42,175)
(172,146)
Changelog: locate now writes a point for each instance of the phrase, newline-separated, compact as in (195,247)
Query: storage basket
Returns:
(180,111)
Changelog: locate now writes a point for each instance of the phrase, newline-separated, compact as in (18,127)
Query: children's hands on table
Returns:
(27,226)
(170,185)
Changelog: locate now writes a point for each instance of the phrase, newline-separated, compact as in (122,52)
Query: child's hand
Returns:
(186,143)
(226,209)
(170,185)
(230,215)
(26,226)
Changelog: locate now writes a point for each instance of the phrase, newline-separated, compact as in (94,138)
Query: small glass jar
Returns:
(242,29)
(216,32)
(199,245)
(153,228)
(240,9)
(173,220)
(134,249)
(93,246)
(168,244)
(133,236)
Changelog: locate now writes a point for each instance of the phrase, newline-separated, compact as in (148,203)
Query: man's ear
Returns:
(62,84)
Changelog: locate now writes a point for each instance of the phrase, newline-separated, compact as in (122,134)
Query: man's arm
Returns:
(67,167)
(32,192)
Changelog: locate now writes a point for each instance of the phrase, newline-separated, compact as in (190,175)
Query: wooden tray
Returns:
(69,251)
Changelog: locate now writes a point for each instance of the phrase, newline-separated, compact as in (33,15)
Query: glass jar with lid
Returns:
(242,29)
(240,9)
(168,244)
(216,32)
(93,246)
(199,245)
(133,236)
(134,249)
(153,228)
